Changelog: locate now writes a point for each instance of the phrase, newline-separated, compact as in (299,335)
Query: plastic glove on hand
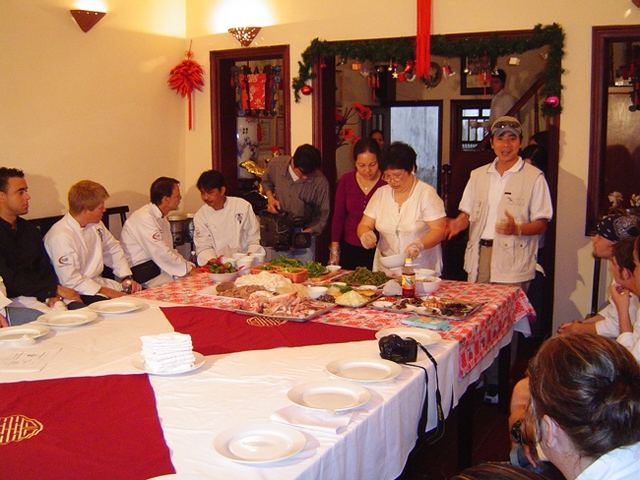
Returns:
(368,240)
(414,249)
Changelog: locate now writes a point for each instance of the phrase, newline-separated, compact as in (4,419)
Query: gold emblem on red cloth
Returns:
(265,322)
(16,428)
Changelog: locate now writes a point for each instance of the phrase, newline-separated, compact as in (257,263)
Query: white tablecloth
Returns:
(247,387)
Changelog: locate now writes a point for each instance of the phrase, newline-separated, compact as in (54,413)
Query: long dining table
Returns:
(76,405)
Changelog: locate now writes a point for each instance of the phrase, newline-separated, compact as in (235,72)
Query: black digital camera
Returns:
(278,231)
(397,349)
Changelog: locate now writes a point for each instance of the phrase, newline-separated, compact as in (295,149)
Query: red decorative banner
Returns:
(423,39)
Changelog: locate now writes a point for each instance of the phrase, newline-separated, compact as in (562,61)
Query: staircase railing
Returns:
(532,92)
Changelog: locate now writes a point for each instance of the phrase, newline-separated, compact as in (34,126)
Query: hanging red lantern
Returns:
(186,76)
(306,90)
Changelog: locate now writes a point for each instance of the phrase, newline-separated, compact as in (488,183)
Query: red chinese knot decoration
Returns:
(185,77)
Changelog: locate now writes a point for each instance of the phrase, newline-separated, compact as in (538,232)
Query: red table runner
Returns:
(81,428)
(218,331)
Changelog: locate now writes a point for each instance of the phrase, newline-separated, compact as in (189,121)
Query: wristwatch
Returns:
(516,432)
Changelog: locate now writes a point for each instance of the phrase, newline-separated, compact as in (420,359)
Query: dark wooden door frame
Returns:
(223,105)
(602,37)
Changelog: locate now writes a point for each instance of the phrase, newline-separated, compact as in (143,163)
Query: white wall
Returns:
(95,105)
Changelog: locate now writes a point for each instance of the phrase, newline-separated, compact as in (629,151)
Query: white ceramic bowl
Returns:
(258,258)
(428,286)
(245,261)
(393,261)
(333,268)
(237,256)
(222,277)
(315,292)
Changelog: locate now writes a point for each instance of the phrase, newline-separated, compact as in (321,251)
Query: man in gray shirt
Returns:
(297,186)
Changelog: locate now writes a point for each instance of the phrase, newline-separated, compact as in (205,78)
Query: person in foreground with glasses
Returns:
(506,206)
(407,213)
(585,400)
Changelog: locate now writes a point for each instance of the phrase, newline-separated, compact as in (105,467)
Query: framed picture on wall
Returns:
(475,83)
(267,127)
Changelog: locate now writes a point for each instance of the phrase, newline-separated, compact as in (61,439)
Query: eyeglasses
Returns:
(393,178)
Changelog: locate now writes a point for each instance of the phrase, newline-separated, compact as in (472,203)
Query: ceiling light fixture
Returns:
(244,35)
(86,19)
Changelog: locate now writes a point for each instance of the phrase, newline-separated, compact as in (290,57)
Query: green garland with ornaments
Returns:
(402,50)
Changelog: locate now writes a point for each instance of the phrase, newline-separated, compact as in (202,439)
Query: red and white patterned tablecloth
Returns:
(503,307)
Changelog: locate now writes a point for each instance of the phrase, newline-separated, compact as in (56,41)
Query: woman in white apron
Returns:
(407,213)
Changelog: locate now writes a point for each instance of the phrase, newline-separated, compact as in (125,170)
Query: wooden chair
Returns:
(45,223)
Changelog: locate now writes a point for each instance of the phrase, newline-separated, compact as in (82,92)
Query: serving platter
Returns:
(430,306)
(326,307)
(260,443)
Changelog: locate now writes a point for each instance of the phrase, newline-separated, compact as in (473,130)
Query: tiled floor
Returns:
(490,433)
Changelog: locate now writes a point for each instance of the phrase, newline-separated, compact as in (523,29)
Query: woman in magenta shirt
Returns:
(354,191)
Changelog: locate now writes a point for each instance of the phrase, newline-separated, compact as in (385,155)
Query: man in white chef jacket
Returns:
(224,225)
(79,246)
(146,238)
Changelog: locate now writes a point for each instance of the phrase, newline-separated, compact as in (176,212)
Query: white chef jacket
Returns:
(78,255)
(399,227)
(146,235)
(232,229)
(609,326)
(631,340)
(623,463)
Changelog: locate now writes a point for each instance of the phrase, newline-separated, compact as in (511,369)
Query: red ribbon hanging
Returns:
(423,39)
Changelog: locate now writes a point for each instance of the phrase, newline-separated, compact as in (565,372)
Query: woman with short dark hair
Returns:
(407,213)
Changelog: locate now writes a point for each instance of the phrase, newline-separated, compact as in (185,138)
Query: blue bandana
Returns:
(617,227)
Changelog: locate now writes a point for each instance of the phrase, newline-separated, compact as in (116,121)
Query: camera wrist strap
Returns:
(422,424)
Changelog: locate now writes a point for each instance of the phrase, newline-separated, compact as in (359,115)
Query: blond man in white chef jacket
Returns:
(146,238)
(79,246)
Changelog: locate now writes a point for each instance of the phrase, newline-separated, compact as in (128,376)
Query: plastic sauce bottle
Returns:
(408,280)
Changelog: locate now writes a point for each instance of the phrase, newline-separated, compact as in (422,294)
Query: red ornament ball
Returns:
(306,90)
(552,101)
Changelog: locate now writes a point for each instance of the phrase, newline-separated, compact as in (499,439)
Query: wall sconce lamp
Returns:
(86,19)
(245,35)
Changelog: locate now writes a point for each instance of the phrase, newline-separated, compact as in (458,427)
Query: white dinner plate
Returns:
(19,332)
(423,336)
(330,395)
(261,443)
(116,306)
(140,364)
(70,318)
(364,369)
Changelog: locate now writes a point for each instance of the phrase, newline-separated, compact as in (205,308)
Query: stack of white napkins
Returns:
(168,352)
